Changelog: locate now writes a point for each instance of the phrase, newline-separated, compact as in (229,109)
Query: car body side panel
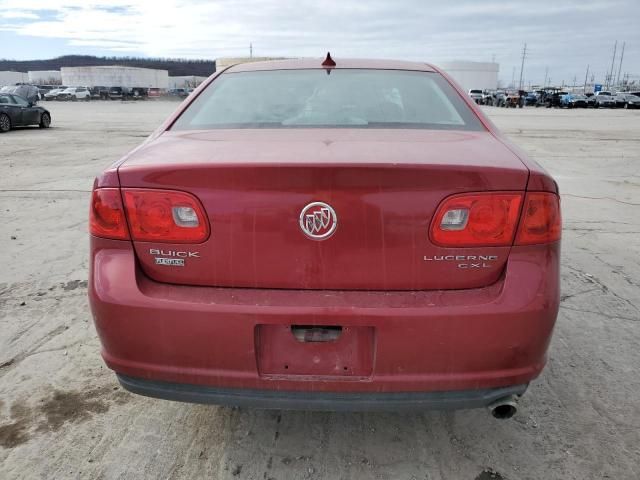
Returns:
(13,112)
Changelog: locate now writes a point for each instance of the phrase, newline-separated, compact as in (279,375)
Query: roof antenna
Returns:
(328,62)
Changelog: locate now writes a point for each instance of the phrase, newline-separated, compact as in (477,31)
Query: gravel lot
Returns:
(62,414)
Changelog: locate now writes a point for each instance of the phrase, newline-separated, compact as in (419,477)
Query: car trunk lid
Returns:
(383,185)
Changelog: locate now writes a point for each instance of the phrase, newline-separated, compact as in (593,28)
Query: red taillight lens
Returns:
(106,215)
(477,219)
(541,219)
(165,216)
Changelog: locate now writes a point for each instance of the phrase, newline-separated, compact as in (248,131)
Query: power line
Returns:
(524,54)
(613,61)
(586,76)
(620,67)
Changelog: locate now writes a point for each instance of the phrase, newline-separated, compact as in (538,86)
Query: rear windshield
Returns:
(348,98)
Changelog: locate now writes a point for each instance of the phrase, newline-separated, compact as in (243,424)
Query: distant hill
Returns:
(175,66)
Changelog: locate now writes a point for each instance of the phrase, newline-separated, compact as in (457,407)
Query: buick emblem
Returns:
(318,221)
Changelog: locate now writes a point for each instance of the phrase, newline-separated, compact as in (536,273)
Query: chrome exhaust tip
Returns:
(504,408)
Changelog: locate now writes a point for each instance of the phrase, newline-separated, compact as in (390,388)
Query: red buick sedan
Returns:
(349,235)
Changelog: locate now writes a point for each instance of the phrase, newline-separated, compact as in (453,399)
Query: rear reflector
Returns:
(165,216)
(476,219)
(541,219)
(106,215)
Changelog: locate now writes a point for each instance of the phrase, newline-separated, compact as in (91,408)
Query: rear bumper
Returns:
(319,401)
(432,342)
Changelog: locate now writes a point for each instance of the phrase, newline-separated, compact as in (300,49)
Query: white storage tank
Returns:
(473,75)
(45,77)
(11,78)
(115,76)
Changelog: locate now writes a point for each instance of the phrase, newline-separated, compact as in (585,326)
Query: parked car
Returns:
(531,98)
(99,93)
(626,100)
(512,100)
(603,101)
(573,100)
(54,92)
(476,95)
(139,93)
(43,89)
(499,99)
(362,240)
(487,97)
(74,94)
(549,97)
(118,93)
(155,92)
(28,92)
(553,98)
(178,92)
(17,111)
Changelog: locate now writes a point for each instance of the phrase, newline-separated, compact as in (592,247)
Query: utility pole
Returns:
(613,61)
(524,54)
(620,67)
(251,50)
(546,74)
(586,76)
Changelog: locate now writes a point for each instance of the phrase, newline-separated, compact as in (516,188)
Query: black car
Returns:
(99,93)
(118,93)
(16,111)
(626,100)
(139,93)
(604,100)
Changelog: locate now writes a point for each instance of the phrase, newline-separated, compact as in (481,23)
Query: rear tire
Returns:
(5,123)
(45,120)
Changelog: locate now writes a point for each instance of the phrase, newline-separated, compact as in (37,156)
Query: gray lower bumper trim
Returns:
(292,400)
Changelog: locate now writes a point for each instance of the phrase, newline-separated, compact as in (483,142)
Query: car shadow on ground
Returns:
(292,444)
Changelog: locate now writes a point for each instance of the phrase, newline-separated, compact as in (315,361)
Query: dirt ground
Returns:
(63,415)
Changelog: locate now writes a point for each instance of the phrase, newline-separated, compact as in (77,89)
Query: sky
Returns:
(562,36)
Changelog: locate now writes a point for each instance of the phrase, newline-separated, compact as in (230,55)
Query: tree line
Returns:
(175,66)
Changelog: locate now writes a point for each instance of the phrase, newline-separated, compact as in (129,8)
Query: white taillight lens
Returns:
(455,219)
(185,216)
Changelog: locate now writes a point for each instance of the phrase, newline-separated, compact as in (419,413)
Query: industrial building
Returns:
(11,78)
(115,76)
(188,81)
(473,75)
(44,77)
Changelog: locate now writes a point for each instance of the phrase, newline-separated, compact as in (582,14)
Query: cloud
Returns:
(15,15)
(563,36)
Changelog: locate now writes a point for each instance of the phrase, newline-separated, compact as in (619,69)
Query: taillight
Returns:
(541,219)
(476,219)
(106,214)
(165,216)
